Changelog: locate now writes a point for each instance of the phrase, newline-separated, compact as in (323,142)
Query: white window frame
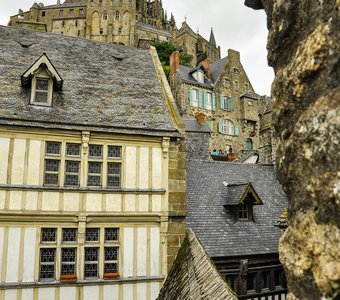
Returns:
(227,127)
(34,90)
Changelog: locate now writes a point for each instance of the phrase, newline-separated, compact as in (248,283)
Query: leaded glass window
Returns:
(113,174)
(92,235)
(72,173)
(69,235)
(111,234)
(68,261)
(73,149)
(91,262)
(53,148)
(114,151)
(48,235)
(111,258)
(47,263)
(94,174)
(96,151)
(51,172)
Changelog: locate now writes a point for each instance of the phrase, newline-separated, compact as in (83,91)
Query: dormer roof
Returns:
(35,5)
(42,62)
(238,194)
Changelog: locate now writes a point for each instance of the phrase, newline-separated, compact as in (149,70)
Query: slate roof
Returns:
(194,276)
(215,71)
(107,87)
(186,75)
(66,5)
(234,192)
(191,125)
(216,226)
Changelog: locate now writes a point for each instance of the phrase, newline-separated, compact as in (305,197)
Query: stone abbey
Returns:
(136,23)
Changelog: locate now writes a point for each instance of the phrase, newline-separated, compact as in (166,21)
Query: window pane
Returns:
(114,151)
(53,147)
(96,151)
(51,179)
(110,268)
(73,149)
(95,168)
(42,84)
(250,281)
(72,166)
(111,234)
(94,181)
(48,234)
(91,262)
(113,174)
(69,234)
(111,253)
(68,261)
(113,168)
(92,235)
(47,260)
(41,97)
(52,165)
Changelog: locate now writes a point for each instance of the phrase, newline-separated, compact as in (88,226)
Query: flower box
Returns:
(111,276)
(68,278)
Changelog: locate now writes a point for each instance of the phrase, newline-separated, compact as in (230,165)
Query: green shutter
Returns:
(222,102)
(190,96)
(210,124)
(230,103)
(236,130)
(213,102)
(205,100)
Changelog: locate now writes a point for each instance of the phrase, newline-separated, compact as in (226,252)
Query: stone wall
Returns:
(304,51)
(177,197)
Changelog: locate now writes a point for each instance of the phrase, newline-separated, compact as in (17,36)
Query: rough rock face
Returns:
(304,50)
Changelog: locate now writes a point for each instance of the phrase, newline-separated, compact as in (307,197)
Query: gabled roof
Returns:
(194,276)
(107,87)
(216,225)
(35,5)
(217,68)
(42,62)
(185,74)
(237,193)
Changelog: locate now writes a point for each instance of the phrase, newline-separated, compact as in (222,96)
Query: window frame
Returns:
(35,90)
(227,127)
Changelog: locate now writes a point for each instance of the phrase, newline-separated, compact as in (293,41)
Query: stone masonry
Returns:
(304,51)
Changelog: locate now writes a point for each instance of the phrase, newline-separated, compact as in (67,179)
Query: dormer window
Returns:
(242,196)
(43,78)
(42,93)
(200,77)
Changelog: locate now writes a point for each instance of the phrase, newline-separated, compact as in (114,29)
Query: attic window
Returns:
(43,78)
(200,77)
(245,211)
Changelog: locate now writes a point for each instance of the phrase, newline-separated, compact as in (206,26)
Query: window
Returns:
(251,281)
(249,144)
(59,257)
(117,16)
(120,29)
(200,77)
(226,103)
(100,2)
(95,247)
(265,280)
(245,211)
(81,12)
(52,163)
(42,89)
(43,13)
(193,97)
(104,16)
(236,70)
(112,2)
(227,127)
(101,30)
(61,13)
(209,101)
(49,250)
(71,12)
(76,23)
(113,166)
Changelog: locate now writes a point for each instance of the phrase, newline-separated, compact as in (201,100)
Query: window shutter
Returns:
(222,102)
(213,102)
(190,96)
(230,103)
(236,130)
(205,100)
(219,127)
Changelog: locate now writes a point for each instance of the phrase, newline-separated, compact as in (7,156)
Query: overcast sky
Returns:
(235,26)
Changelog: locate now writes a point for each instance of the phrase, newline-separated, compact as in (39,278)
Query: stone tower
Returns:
(111,21)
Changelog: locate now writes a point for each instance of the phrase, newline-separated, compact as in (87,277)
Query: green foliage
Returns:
(185,59)
(164,50)
(333,291)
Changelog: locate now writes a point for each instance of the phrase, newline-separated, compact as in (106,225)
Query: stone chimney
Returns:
(233,55)
(206,64)
(174,62)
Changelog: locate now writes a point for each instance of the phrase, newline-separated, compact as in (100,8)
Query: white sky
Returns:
(235,26)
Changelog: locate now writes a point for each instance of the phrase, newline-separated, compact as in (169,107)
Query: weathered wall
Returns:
(197,145)
(304,51)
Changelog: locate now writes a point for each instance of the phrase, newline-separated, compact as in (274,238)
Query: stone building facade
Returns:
(92,188)
(136,23)
(223,92)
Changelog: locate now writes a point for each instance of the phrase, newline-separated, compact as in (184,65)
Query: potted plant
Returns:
(111,276)
(68,278)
